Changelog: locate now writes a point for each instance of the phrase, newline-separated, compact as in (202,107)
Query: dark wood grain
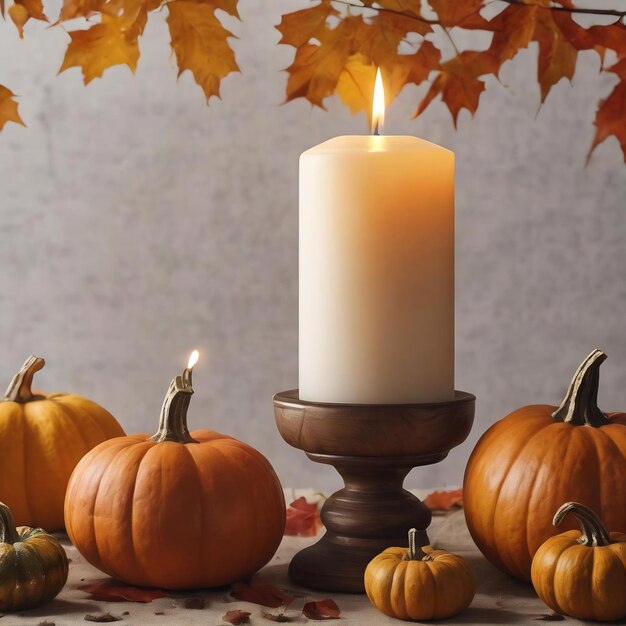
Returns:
(373,447)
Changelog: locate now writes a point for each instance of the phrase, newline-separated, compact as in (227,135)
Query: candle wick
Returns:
(376,128)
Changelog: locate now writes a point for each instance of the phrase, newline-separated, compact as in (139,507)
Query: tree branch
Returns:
(521,3)
(566,9)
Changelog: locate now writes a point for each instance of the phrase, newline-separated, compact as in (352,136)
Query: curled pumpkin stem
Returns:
(173,421)
(593,532)
(580,405)
(19,389)
(8,532)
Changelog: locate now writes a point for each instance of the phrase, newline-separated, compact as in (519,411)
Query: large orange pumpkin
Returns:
(42,438)
(526,465)
(178,510)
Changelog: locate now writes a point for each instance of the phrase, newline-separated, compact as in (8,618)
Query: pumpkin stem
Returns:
(414,553)
(19,389)
(580,405)
(8,532)
(173,421)
(593,531)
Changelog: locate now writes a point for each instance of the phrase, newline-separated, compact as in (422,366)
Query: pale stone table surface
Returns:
(499,599)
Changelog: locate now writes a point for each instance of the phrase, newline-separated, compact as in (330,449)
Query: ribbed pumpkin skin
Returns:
(586,583)
(32,571)
(175,515)
(525,466)
(41,442)
(419,590)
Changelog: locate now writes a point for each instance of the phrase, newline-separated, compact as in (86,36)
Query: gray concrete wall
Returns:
(137,224)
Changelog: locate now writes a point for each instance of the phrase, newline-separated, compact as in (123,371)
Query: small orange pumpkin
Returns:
(42,438)
(419,584)
(582,573)
(177,510)
(538,457)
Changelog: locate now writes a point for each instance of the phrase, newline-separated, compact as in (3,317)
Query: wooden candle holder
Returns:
(373,447)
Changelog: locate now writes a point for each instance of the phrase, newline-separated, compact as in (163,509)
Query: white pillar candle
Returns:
(376,271)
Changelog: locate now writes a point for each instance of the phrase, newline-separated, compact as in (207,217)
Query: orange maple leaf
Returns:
(111,42)
(23,10)
(464,14)
(200,44)
(611,114)
(459,84)
(299,27)
(343,59)
(8,108)
(518,25)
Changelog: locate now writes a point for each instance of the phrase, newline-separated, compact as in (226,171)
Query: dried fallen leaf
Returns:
(109,590)
(102,618)
(441,501)
(46,623)
(195,603)
(236,617)
(303,518)
(261,593)
(8,108)
(277,617)
(321,609)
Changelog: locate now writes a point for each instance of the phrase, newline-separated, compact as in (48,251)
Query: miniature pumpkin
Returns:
(535,459)
(415,584)
(177,510)
(42,438)
(582,573)
(33,565)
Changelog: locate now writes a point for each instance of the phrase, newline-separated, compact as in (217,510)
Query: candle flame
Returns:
(193,359)
(378,104)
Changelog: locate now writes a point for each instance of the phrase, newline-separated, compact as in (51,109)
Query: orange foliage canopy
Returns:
(339,43)
(337,51)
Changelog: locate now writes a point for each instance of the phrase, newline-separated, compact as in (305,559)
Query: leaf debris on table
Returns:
(261,593)
(444,501)
(195,603)
(102,618)
(321,609)
(277,617)
(236,617)
(303,518)
(110,590)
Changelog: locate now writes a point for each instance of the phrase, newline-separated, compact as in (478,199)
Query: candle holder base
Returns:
(373,447)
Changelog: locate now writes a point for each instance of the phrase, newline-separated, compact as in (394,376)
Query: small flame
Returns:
(193,359)
(378,104)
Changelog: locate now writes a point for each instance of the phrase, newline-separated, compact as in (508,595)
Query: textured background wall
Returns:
(137,224)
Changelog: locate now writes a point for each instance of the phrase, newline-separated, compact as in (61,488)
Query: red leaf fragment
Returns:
(321,609)
(261,593)
(443,501)
(303,519)
(110,590)
(236,617)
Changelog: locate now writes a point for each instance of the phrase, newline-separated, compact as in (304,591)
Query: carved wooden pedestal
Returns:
(373,447)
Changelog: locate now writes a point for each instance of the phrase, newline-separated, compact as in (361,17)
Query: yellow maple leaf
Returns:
(200,44)
(112,42)
(8,108)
